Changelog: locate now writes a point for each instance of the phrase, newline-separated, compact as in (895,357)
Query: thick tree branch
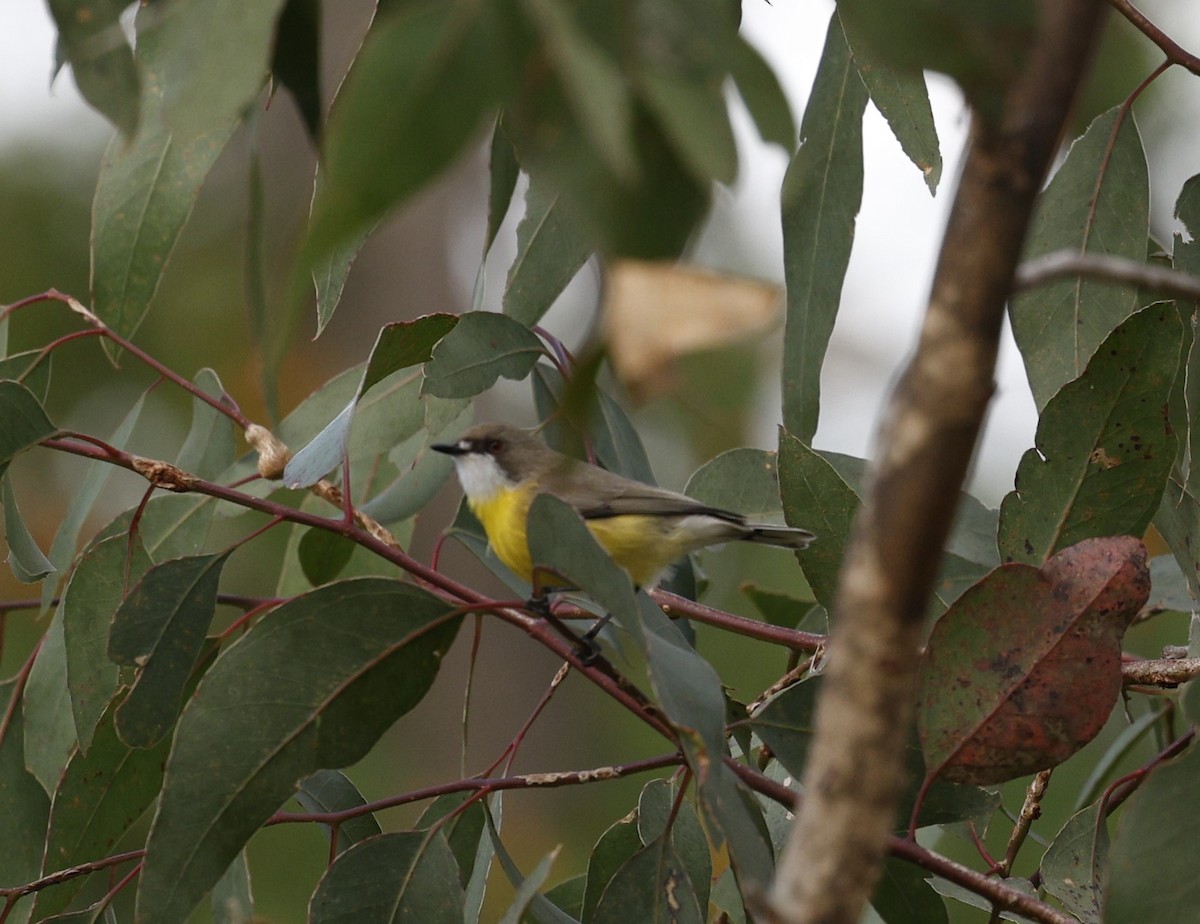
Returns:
(855,772)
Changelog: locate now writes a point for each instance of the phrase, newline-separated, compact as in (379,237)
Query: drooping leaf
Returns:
(83,499)
(902,98)
(24,806)
(332,791)
(608,431)
(616,845)
(816,498)
(159,628)
(593,84)
(147,187)
(1024,669)
(208,449)
(1074,864)
(232,901)
(760,90)
(23,422)
(416,94)
(91,39)
(551,247)
(29,564)
(392,877)
(904,897)
(1104,446)
(215,59)
(652,886)
(541,910)
(503,171)
(1097,203)
(982,45)
(49,728)
(90,600)
(481,348)
(323,453)
(822,192)
(687,839)
(171,526)
(297,59)
(1149,875)
(256,726)
(101,794)
(404,343)
(527,892)
(463,828)
(329,272)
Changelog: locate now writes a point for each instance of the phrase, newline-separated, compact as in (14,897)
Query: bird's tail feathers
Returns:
(785,537)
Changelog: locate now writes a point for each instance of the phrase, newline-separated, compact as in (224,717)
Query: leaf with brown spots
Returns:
(1024,669)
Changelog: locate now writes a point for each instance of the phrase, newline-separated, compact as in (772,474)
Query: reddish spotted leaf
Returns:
(1024,669)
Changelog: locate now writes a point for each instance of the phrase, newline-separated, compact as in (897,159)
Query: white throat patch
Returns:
(481,476)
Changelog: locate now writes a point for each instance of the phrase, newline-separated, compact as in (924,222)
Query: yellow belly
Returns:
(644,546)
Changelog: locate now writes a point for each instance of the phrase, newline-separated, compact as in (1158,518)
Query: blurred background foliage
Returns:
(424,259)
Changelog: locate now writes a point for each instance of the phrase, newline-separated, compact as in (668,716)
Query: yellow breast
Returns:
(643,545)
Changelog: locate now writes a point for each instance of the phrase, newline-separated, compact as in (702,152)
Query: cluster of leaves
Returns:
(134,702)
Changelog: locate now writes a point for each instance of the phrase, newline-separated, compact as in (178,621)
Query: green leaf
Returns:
(90,37)
(208,449)
(92,596)
(527,892)
(171,526)
(540,908)
(904,897)
(323,554)
(1073,865)
(28,563)
(780,609)
(816,498)
(257,725)
(567,896)
(416,94)
(100,796)
(24,805)
(822,193)
(652,886)
(1149,864)
(49,728)
(145,193)
(745,480)
(1104,446)
(902,98)
(615,846)
(404,343)
(1097,203)
(593,83)
(332,791)
(409,876)
(551,247)
(463,828)
(323,453)
(980,44)
(608,430)
(232,902)
(686,835)
(23,422)
(482,348)
(297,59)
(159,629)
(503,171)
(329,272)
(760,90)
(215,58)
(83,499)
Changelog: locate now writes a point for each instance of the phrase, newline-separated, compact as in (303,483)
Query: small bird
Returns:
(645,529)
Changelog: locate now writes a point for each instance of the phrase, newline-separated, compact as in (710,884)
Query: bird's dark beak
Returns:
(450,449)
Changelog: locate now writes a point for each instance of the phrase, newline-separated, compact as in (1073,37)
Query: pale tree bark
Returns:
(855,772)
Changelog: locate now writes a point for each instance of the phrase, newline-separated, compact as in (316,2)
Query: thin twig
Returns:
(1106,268)
(1175,52)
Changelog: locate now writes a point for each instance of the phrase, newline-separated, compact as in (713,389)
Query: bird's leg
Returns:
(586,648)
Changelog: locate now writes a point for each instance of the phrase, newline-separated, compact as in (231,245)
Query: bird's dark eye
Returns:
(494,446)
